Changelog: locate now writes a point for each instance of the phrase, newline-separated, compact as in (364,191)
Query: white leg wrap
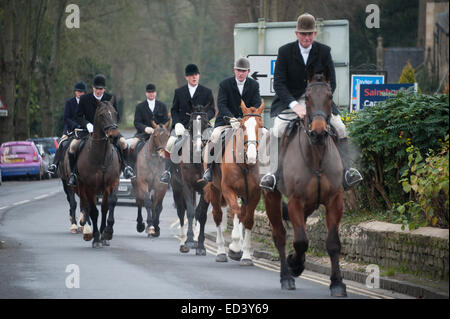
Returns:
(87,229)
(246,244)
(183,236)
(236,235)
(220,241)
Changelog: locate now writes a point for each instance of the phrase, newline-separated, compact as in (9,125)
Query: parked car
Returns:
(47,158)
(21,158)
(125,192)
(50,143)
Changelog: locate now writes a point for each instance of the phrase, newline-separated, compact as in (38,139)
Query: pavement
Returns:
(408,285)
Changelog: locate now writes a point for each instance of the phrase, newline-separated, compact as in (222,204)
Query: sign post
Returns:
(357,80)
(262,68)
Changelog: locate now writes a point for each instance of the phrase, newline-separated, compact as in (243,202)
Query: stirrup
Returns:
(351,178)
(52,169)
(72,181)
(207,176)
(268,184)
(165,177)
(128,172)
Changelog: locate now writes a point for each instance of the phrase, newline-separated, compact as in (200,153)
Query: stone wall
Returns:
(423,251)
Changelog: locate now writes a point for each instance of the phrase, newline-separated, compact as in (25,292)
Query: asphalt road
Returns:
(39,258)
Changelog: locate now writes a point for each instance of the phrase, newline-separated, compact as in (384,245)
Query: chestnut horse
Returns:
(99,170)
(238,176)
(150,164)
(310,171)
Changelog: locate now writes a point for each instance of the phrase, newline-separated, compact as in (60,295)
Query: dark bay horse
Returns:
(99,170)
(310,174)
(238,178)
(187,182)
(150,164)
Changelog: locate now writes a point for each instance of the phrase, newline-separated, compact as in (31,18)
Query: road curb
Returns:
(394,285)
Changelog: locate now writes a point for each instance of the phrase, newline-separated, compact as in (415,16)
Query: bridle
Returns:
(317,113)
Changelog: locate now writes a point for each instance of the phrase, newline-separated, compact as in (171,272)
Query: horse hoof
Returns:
(87,237)
(105,243)
(140,227)
(97,244)
(155,234)
(338,290)
(221,258)
(191,244)
(74,229)
(235,255)
(184,249)
(294,269)
(107,236)
(288,284)
(246,262)
(200,252)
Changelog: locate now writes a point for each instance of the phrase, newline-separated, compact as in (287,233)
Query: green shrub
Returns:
(384,132)
(427,182)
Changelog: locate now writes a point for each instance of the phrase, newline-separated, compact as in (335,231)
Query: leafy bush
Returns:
(383,134)
(427,182)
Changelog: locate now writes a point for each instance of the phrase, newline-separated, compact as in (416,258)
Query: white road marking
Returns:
(22,202)
(4,207)
(42,196)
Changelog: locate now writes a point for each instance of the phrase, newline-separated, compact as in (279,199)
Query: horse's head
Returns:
(198,123)
(318,99)
(105,119)
(159,138)
(251,123)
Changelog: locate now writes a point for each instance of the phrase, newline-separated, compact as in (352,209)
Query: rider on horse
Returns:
(70,112)
(290,82)
(184,99)
(148,111)
(85,118)
(231,92)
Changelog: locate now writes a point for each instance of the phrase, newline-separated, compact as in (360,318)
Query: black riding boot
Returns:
(54,166)
(128,171)
(73,176)
(269,181)
(351,176)
(165,177)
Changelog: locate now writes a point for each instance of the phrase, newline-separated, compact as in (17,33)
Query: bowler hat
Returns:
(80,86)
(242,64)
(150,88)
(191,69)
(306,23)
(99,81)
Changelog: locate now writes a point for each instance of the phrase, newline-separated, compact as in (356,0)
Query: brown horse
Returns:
(238,176)
(99,170)
(150,164)
(187,182)
(311,174)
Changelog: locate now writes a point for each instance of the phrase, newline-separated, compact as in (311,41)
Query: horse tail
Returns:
(207,193)
(284,211)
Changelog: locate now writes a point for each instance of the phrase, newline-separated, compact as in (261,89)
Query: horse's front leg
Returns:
(296,261)
(148,203)
(93,213)
(70,195)
(235,248)
(158,197)
(107,234)
(200,215)
(333,244)
(216,200)
(272,200)
(85,221)
(247,222)
(190,212)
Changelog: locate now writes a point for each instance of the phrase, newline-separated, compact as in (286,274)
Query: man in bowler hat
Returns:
(185,97)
